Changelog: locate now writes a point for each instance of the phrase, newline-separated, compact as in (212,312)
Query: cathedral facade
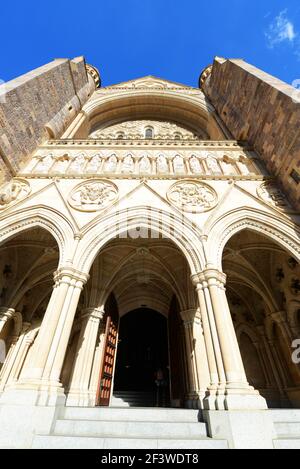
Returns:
(149,260)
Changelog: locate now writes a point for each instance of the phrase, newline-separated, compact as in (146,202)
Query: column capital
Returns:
(6,313)
(279,317)
(189,316)
(208,275)
(93,313)
(69,273)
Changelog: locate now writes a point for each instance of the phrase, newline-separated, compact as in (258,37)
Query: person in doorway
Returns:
(161,384)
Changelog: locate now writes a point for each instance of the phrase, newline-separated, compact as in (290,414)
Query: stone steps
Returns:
(112,428)
(66,442)
(287,428)
(133,399)
(126,415)
(106,429)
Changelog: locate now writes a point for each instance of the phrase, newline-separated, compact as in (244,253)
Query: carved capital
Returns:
(92,313)
(209,276)
(70,275)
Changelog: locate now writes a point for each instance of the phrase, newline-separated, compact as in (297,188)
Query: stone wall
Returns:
(262,110)
(39,105)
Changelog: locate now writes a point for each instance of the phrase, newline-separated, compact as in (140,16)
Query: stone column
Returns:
(14,363)
(188,323)
(238,393)
(196,357)
(216,389)
(9,360)
(52,340)
(79,394)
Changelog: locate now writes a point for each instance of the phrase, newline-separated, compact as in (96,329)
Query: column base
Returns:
(243,429)
(25,412)
(77,398)
(234,399)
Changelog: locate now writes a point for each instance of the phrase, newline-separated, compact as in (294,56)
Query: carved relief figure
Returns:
(192,196)
(162,164)
(77,164)
(94,164)
(128,164)
(93,196)
(212,165)
(145,165)
(111,164)
(61,165)
(195,165)
(270,193)
(14,191)
(178,165)
(44,164)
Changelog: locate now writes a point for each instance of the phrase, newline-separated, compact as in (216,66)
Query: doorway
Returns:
(143,356)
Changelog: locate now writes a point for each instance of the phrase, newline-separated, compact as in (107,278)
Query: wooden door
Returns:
(107,368)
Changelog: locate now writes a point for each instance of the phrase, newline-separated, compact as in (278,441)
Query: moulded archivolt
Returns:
(192,196)
(93,195)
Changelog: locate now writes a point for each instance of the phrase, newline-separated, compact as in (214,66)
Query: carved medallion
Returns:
(13,192)
(192,196)
(270,193)
(93,195)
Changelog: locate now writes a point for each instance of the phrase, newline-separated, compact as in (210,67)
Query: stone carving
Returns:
(111,164)
(44,164)
(212,165)
(94,164)
(61,165)
(77,164)
(162,165)
(14,191)
(93,196)
(178,165)
(128,164)
(145,165)
(195,165)
(135,130)
(192,196)
(271,194)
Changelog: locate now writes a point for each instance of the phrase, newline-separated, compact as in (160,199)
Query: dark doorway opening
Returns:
(142,351)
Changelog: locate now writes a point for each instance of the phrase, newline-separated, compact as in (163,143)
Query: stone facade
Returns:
(39,105)
(263,111)
(141,202)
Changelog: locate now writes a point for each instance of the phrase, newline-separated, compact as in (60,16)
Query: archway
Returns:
(143,275)
(263,291)
(143,350)
(27,263)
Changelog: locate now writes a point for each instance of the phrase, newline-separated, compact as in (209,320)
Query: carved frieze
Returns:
(93,195)
(13,192)
(192,196)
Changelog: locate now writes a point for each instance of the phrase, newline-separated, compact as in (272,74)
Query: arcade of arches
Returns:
(142,289)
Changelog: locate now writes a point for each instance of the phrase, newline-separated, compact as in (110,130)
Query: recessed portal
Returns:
(142,358)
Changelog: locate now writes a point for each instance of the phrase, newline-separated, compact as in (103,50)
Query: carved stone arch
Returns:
(187,109)
(42,217)
(185,237)
(282,232)
(249,331)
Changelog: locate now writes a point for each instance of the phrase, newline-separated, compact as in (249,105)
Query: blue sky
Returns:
(171,39)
